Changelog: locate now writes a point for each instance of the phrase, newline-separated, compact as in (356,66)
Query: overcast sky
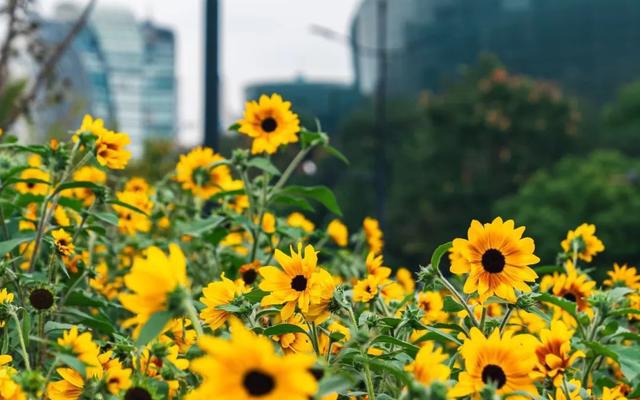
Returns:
(262,40)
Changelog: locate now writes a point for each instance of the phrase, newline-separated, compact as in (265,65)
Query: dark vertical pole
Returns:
(380,112)
(211,94)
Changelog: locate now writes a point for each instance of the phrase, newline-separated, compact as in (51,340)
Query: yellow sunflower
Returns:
(152,280)
(216,294)
(94,126)
(366,289)
(499,259)
(84,348)
(137,184)
(405,278)
(373,234)
(111,149)
(268,223)
(9,388)
(246,367)
(197,173)
(374,266)
(429,366)
(298,220)
(623,276)
(70,387)
(583,241)
(573,389)
(338,232)
(554,352)
(249,272)
(432,305)
(572,286)
(63,242)
(270,123)
(299,282)
(505,361)
(87,174)
(35,182)
(131,221)
(296,342)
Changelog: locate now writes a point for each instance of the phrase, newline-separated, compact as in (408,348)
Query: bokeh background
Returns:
(448,110)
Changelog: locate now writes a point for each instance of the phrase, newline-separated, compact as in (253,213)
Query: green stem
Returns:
(460,299)
(23,347)
(369,381)
(193,316)
(292,167)
(506,318)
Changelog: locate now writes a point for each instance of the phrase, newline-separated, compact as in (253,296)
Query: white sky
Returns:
(262,40)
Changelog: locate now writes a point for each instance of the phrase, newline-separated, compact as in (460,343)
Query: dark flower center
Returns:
(493,261)
(570,296)
(269,124)
(299,283)
(41,299)
(30,185)
(137,393)
(249,276)
(318,373)
(258,383)
(495,374)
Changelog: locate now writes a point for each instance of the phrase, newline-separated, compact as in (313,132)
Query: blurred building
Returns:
(326,101)
(159,101)
(117,69)
(587,46)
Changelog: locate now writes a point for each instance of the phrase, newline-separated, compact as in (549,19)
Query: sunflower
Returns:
(325,341)
(294,342)
(623,276)
(132,221)
(87,174)
(63,242)
(249,272)
(374,266)
(573,389)
(583,241)
(499,258)
(299,282)
(33,181)
(197,173)
(246,367)
(405,279)
(268,223)
(366,289)
(5,298)
(338,232)
(105,284)
(9,388)
(182,334)
(111,151)
(84,348)
(270,122)
(137,184)
(553,352)
(222,292)
(152,280)
(432,305)
(298,220)
(93,126)
(572,286)
(613,393)
(373,234)
(506,362)
(429,366)
(70,387)
(322,295)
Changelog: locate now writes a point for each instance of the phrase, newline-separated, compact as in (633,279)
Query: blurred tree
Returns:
(621,121)
(452,155)
(602,188)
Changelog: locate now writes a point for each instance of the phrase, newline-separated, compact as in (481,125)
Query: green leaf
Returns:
(435,332)
(566,305)
(126,205)
(234,127)
(281,329)
(321,194)
(51,326)
(548,269)
(294,202)
(308,138)
(72,362)
(153,327)
(78,184)
(624,311)
(232,308)
(263,164)
(629,359)
(438,253)
(98,322)
(451,306)
(108,217)
(197,228)
(616,295)
(334,384)
(336,153)
(408,348)
(80,298)
(255,296)
(8,245)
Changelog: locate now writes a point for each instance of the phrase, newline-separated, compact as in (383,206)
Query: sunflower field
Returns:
(214,283)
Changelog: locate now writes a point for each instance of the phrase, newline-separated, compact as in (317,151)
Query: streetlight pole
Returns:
(211,93)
